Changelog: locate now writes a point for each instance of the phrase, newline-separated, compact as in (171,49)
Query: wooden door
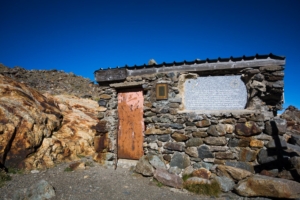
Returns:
(131,124)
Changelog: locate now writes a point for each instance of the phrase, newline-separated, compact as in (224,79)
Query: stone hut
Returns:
(191,113)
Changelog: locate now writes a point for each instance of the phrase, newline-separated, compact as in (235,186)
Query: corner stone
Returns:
(144,167)
(168,179)
(268,187)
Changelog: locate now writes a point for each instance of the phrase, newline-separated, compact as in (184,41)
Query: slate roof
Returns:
(256,57)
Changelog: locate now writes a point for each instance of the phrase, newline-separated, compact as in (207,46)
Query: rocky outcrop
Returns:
(37,131)
(26,118)
(75,138)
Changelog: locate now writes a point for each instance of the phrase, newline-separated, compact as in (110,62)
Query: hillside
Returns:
(52,81)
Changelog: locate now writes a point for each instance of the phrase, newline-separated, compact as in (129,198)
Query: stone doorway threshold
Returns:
(126,163)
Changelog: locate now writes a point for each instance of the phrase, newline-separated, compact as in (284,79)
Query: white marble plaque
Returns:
(215,93)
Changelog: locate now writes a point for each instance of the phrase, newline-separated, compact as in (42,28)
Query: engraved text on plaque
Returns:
(215,93)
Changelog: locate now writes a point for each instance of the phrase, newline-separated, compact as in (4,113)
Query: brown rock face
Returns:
(76,137)
(26,117)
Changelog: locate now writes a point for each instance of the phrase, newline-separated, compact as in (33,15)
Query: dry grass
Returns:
(212,189)
(4,177)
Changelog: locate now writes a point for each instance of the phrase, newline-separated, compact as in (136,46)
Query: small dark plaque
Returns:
(111,75)
(161,91)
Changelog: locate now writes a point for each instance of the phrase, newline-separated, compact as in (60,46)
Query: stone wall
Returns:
(232,138)
(250,151)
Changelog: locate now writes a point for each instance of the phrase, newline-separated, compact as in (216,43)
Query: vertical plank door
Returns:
(131,124)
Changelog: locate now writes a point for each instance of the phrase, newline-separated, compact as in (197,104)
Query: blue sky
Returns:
(83,36)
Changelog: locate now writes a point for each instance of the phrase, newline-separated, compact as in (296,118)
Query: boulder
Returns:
(76,136)
(40,190)
(265,186)
(144,167)
(26,118)
(167,178)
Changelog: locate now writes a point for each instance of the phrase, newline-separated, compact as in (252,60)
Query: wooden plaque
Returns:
(161,91)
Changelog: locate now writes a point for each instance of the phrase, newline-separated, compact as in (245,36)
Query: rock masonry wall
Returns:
(233,139)
(231,147)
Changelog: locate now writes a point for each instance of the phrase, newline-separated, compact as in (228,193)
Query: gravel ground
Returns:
(97,182)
